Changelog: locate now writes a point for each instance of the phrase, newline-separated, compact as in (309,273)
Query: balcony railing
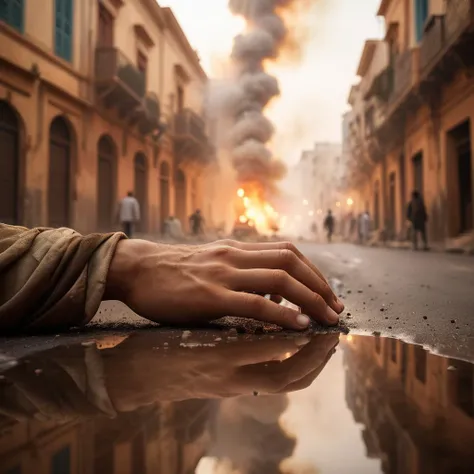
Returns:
(458,19)
(188,125)
(114,71)
(432,45)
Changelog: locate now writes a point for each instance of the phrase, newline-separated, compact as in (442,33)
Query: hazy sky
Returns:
(315,90)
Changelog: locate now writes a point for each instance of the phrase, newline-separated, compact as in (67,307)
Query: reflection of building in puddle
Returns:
(247,437)
(167,438)
(417,408)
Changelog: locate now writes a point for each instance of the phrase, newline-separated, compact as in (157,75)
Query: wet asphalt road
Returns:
(422,297)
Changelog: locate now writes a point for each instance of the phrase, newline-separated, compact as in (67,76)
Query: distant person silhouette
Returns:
(329,225)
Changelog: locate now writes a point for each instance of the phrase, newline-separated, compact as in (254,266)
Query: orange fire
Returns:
(255,211)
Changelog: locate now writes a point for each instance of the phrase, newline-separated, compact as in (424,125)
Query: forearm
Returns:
(52,277)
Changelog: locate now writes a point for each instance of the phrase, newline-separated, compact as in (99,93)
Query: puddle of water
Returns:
(152,402)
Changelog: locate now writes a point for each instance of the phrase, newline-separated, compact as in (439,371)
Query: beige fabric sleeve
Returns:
(52,277)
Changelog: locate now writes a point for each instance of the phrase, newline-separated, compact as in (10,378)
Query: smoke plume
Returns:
(243,101)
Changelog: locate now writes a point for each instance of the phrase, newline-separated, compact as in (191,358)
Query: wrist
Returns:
(123,267)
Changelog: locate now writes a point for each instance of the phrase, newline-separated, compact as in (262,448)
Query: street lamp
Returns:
(350,202)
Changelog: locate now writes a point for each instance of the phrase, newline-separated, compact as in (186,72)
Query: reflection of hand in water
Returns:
(72,381)
(137,375)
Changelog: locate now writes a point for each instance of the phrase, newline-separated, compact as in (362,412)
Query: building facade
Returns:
(98,98)
(412,118)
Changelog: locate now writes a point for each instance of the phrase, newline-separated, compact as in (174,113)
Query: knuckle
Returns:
(223,252)
(220,271)
(288,246)
(287,258)
(278,280)
(318,300)
(255,303)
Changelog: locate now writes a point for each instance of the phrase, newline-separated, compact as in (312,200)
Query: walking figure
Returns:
(129,214)
(329,225)
(417,215)
(196,222)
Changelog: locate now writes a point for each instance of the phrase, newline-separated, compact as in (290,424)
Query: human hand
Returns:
(178,284)
(207,369)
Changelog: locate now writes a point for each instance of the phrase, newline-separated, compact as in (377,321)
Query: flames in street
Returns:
(253,211)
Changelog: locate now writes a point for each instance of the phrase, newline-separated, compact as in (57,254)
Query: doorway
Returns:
(418,173)
(141,189)
(462,138)
(164,194)
(59,182)
(180,197)
(106,182)
(377,206)
(392,182)
(9,164)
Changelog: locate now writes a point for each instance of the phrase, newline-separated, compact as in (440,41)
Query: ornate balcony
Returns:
(119,83)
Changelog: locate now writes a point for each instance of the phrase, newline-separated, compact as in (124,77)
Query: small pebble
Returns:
(390,327)
(451,368)
(382,309)
(186,335)
(349,292)
(360,291)
(349,315)
(233,332)
(218,339)
(255,393)
(453,321)
(38,371)
(425,317)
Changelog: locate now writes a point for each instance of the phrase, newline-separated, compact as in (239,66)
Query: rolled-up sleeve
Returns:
(52,277)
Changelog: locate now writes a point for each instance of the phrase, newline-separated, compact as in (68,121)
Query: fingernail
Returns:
(303,320)
(331,316)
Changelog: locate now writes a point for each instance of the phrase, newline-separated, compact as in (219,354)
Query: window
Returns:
(106,27)
(61,462)
(63,28)
(11,12)
(421,14)
(180,97)
(142,62)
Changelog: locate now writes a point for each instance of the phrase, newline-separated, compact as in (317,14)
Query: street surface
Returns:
(423,297)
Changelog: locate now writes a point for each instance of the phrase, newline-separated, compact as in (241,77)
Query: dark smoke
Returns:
(251,130)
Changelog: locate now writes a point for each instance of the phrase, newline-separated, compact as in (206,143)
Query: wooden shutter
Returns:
(63,28)
(11,12)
